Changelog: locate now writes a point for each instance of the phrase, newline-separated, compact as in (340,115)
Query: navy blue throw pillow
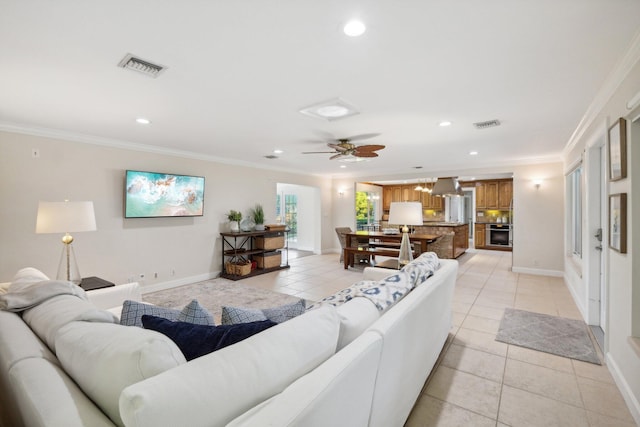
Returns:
(197,340)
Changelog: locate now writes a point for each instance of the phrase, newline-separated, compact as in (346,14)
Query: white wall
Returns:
(122,249)
(623,298)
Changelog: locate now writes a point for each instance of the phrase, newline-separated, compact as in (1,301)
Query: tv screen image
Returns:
(153,194)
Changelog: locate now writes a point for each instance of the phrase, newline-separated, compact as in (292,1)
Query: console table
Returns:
(254,246)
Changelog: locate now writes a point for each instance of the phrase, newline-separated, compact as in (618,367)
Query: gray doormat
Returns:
(551,334)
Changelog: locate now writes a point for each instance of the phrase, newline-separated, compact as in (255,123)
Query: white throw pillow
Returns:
(356,315)
(105,358)
(27,275)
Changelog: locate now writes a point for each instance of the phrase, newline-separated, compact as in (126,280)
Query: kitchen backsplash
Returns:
(504,217)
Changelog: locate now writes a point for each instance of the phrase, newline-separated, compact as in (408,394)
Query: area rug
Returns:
(551,334)
(215,293)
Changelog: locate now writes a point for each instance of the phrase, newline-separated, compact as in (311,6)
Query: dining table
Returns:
(381,243)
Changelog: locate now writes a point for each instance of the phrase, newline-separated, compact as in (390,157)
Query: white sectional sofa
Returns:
(344,366)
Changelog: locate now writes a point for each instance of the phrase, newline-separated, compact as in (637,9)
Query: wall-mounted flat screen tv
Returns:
(153,194)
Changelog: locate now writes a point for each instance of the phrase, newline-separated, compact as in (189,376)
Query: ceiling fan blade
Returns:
(318,152)
(337,156)
(362,136)
(365,154)
(369,148)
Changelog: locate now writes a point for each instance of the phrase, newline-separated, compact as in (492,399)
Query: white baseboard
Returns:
(161,286)
(538,271)
(625,390)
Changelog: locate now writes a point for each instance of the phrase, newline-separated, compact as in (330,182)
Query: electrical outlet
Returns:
(35,153)
(142,275)
(173,272)
(155,275)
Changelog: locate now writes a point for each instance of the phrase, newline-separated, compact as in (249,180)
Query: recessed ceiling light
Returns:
(143,121)
(332,109)
(354,28)
(473,153)
(444,123)
(343,166)
(278,151)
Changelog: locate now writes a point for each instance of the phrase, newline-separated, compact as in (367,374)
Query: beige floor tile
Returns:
(480,341)
(487,312)
(476,362)
(603,398)
(431,412)
(461,307)
(481,324)
(599,420)
(592,371)
(519,408)
(540,358)
(457,318)
(468,391)
(543,381)
(464,298)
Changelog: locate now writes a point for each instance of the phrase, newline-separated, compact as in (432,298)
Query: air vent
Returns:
(270,156)
(487,124)
(150,69)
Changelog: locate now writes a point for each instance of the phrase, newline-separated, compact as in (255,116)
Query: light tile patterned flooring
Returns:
(479,381)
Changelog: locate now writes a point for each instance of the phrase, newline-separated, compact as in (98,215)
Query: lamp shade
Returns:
(63,217)
(405,213)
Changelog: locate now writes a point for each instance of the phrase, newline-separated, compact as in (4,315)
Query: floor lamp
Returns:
(65,217)
(405,214)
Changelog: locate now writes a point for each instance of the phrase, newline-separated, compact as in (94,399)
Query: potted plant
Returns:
(234,218)
(258,217)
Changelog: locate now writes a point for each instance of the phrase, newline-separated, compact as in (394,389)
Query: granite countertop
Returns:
(443,224)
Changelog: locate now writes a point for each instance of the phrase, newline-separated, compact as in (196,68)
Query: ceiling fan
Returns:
(344,147)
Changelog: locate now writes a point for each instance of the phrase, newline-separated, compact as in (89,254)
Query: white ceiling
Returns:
(239,71)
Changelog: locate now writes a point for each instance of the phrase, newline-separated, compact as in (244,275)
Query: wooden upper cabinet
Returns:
(505,194)
(387,196)
(491,194)
(481,200)
(396,193)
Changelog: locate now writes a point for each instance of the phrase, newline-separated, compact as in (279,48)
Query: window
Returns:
(366,208)
(290,216)
(574,186)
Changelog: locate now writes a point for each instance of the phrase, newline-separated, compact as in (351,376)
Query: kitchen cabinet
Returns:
(481,200)
(505,194)
(491,194)
(396,193)
(387,195)
(480,237)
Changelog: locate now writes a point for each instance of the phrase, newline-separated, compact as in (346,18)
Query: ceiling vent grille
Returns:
(150,69)
(487,124)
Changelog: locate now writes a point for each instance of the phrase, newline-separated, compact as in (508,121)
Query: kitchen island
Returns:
(459,243)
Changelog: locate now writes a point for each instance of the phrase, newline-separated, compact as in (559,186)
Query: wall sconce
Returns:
(537,183)
(341,193)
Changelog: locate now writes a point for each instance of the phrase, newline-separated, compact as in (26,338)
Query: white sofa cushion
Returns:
(356,315)
(105,358)
(47,397)
(17,342)
(114,296)
(337,393)
(214,389)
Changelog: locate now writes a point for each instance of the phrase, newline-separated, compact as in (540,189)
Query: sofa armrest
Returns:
(114,296)
(377,273)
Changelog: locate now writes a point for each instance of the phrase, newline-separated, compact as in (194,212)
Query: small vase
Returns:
(234,226)
(259,227)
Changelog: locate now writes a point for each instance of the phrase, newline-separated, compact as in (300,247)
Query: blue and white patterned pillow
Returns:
(423,267)
(237,315)
(132,312)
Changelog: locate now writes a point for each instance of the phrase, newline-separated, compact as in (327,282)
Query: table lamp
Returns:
(405,214)
(65,217)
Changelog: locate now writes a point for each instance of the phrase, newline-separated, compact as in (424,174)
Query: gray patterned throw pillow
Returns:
(132,312)
(236,315)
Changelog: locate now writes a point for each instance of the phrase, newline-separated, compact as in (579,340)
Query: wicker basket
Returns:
(269,260)
(240,268)
(270,241)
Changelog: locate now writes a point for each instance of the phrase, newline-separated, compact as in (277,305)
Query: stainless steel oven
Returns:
(499,235)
